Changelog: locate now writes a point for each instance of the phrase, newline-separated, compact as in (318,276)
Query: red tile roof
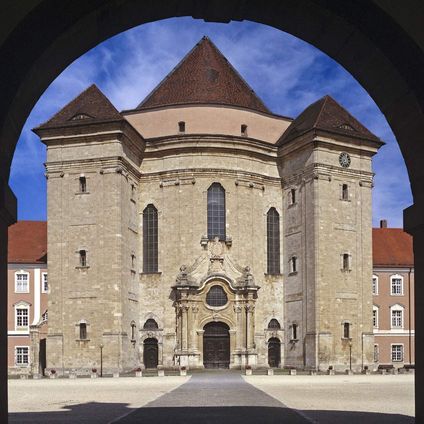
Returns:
(204,76)
(392,247)
(89,106)
(326,114)
(27,242)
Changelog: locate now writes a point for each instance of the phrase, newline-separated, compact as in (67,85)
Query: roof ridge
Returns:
(203,75)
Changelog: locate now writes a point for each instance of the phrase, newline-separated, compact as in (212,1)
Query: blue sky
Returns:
(287,73)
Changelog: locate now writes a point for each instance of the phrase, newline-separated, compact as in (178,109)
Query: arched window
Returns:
(274,325)
(150,239)
(216,296)
(216,211)
(273,241)
(150,324)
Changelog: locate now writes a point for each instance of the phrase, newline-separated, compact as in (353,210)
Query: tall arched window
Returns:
(150,239)
(273,241)
(216,211)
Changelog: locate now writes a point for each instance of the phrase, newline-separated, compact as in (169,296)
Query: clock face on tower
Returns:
(344,159)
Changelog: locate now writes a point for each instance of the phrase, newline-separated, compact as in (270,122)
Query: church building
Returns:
(202,230)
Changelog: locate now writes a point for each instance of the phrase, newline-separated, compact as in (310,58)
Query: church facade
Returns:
(202,230)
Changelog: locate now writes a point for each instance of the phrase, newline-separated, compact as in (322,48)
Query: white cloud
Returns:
(285,72)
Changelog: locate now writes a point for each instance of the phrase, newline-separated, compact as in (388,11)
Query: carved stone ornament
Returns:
(216,247)
(247,278)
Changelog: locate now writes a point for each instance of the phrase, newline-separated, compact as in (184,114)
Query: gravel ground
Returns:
(215,398)
(381,398)
(83,400)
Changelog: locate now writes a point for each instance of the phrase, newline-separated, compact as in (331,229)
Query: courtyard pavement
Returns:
(215,397)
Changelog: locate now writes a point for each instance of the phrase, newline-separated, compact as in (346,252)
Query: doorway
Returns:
(150,353)
(274,352)
(216,345)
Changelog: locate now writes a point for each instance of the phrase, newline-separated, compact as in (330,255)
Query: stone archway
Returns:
(384,52)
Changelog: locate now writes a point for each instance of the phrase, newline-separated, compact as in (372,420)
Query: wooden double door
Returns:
(216,345)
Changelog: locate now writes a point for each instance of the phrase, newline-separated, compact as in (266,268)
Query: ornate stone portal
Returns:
(215,289)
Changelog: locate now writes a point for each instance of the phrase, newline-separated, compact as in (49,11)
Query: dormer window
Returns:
(244,130)
(346,127)
(80,116)
(82,184)
(181,127)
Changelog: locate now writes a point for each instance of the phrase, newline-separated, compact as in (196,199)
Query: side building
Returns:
(393,297)
(27,297)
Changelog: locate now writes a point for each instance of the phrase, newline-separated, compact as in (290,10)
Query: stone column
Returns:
(184,327)
(35,349)
(200,344)
(250,324)
(193,334)
(239,326)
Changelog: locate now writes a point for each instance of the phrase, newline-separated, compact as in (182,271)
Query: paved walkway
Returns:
(215,397)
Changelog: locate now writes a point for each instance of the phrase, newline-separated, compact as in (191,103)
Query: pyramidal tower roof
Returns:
(204,76)
(326,114)
(89,106)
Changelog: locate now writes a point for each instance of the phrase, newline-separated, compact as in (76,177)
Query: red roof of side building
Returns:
(27,242)
(392,247)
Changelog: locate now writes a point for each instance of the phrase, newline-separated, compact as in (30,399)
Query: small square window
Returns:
(397,353)
(243,130)
(22,355)
(181,127)
(22,282)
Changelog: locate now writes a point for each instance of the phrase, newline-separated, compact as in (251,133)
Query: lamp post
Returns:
(350,355)
(101,360)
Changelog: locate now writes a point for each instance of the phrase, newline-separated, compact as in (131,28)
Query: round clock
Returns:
(344,159)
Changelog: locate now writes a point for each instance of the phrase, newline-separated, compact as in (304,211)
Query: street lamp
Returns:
(101,360)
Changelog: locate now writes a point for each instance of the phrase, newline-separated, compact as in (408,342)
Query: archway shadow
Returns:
(96,413)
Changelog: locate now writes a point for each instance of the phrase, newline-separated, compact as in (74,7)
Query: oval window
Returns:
(216,296)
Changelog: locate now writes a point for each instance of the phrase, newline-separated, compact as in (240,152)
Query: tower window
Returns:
(216,212)
(133,261)
(133,331)
(150,239)
(273,241)
(346,330)
(244,130)
(346,262)
(293,265)
(83,331)
(181,127)
(294,332)
(82,185)
(345,192)
(83,257)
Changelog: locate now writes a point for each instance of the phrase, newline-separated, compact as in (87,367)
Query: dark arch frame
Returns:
(380,43)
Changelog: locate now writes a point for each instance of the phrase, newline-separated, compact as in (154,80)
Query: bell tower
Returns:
(325,166)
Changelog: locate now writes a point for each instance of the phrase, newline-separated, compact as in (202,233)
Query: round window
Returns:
(216,296)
